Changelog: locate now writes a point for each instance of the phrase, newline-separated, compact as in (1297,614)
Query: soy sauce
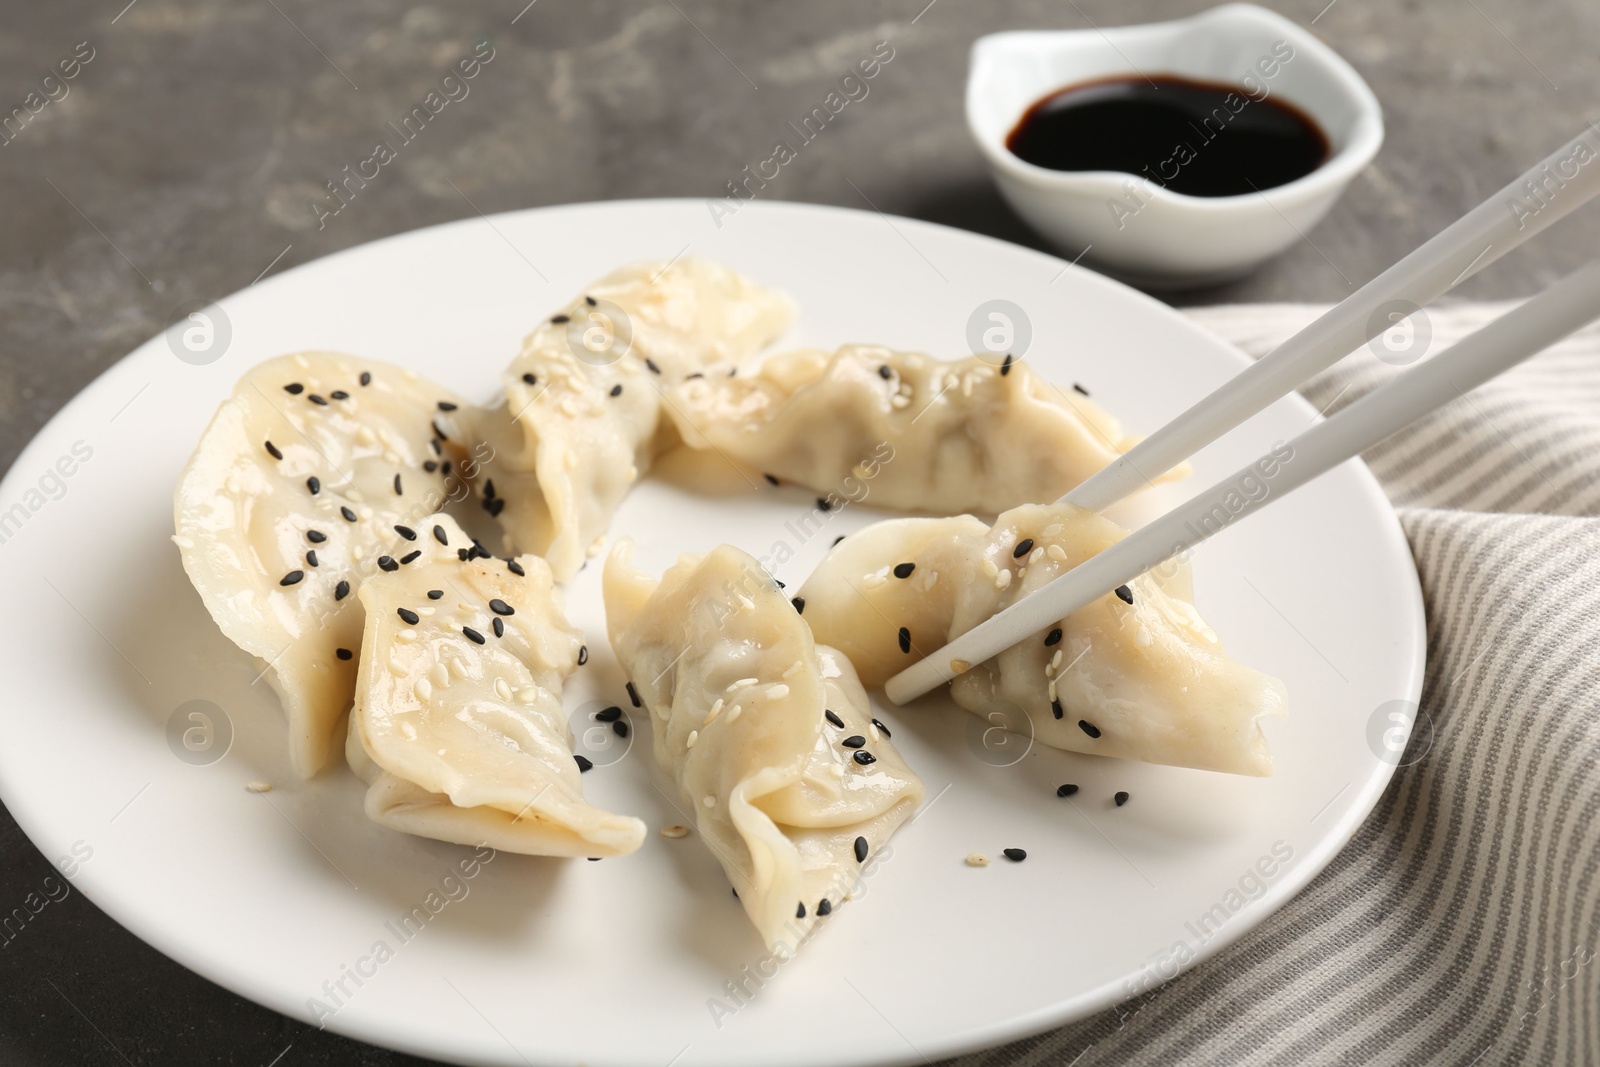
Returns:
(1193,137)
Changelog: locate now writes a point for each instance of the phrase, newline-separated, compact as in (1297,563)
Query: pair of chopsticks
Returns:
(1530,204)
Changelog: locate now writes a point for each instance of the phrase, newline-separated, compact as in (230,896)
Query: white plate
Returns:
(616,963)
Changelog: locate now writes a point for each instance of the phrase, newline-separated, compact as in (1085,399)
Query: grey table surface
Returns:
(181,160)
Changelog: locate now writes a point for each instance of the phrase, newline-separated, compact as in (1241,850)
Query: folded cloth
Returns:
(1461,923)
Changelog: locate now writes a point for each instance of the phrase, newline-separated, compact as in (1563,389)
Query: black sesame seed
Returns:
(1125,594)
(611,714)
(439,535)
(583,655)
(343,653)
(445,405)
(799,603)
(311,557)
(498,625)
(435,594)
(316,537)
(1066,790)
(398,491)
(651,364)
(339,394)
(1088,727)
(438,432)
(905,639)
(800,912)
(583,764)
(409,617)
(903,570)
(387,563)
(884,372)
(620,728)
(366,377)
(616,390)
(294,388)
(595,859)
(771,479)
(500,607)
(836,541)
(494,507)
(863,757)
(781,584)
(272,450)
(831,717)
(411,557)
(696,374)
(823,504)
(1121,797)
(516,568)
(882,728)
(314,484)
(861,850)
(1056,709)
(341,590)
(1015,855)
(472,635)
(633,695)
(349,516)
(1053,637)
(315,399)
(853,741)
(559,319)
(531,379)
(823,907)
(1005,368)
(407,532)
(430,466)
(434,443)
(735,892)
(291,578)
(478,549)
(488,488)
(1024,546)
(1080,389)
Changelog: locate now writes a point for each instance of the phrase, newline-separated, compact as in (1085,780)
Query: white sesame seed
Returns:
(977,859)
(1002,579)
(674,831)
(694,735)
(407,635)
(502,689)
(733,712)
(424,689)
(440,675)
(1057,553)
(258,787)
(960,666)
(1036,555)
(777,692)
(709,801)
(1053,529)
(988,567)
(742,682)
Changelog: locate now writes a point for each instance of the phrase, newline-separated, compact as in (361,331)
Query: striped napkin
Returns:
(1462,923)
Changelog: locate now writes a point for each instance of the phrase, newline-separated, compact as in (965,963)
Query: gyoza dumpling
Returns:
(1135,674)
(962,436)
(769,736)
(583,399)
(457,726)
(292,497)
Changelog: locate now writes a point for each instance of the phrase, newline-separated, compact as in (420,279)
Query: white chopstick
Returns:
(1505,342)
(1545,194)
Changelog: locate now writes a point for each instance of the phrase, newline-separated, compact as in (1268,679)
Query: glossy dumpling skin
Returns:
(583,399)
(737,690)
(276,563)
(964,436)
(462,738)
(1150,677)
